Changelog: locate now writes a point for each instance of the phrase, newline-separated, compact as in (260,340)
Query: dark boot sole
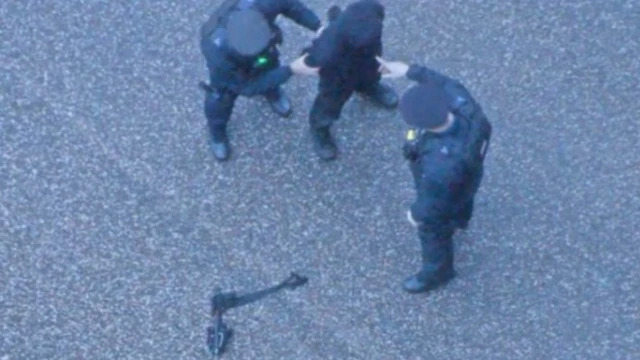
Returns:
(221,155)
(280,113)
(431,286)
(320,148)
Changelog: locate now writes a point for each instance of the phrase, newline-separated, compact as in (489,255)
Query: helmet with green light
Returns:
(249,36)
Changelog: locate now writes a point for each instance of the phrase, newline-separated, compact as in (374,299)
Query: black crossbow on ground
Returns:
(218,335)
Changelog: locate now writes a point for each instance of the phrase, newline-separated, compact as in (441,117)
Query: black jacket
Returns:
(448,168)
(229,73)
(347,47)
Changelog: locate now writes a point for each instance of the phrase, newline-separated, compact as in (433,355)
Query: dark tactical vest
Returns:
(479,130)
(474,150)
(468,157)
(214,31)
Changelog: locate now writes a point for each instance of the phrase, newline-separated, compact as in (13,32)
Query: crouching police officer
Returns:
(446,148)
(239,42)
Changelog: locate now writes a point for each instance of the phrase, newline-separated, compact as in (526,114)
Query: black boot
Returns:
(428,280)
(279,102)
(324,144)
(437,269)
(220,144)
(383,95)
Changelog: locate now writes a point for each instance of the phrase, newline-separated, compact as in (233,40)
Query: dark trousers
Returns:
(219,104)
(218,107)
(333,93)
(436,242)
(465,214)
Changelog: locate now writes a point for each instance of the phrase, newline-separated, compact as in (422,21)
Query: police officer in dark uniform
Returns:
(239,42)
(345,51)
(446,148)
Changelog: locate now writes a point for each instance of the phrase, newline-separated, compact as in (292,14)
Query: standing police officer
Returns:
(446,148)
(239,42)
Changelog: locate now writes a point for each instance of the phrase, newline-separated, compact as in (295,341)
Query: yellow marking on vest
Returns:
(411,135)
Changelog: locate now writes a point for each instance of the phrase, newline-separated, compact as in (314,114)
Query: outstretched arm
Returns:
(325,49)
(423,74)
(225,74)
(276,77)
(300,13)
(418,73)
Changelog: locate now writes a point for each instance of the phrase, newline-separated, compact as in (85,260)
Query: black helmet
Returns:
(425,106)
(248,32)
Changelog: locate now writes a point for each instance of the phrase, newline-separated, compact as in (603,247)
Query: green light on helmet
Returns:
(262,60)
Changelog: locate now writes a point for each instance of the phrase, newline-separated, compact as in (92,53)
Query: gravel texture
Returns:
(116,222)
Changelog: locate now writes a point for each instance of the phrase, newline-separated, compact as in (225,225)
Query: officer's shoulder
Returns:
(463,105)
(455,87)
(214,42)
(462,102)
(218,37)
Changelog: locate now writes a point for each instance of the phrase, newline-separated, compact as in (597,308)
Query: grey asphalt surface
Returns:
(116,222)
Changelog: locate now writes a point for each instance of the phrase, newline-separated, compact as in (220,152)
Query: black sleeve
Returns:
(300,13)
(422,74)
(325,49)
(378,48)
